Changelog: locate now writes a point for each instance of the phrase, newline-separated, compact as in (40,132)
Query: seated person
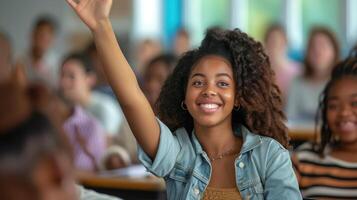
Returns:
(85,134)
(155,75)
(36,162)
(41,59)
(76,81)
(328,169)
(322,54)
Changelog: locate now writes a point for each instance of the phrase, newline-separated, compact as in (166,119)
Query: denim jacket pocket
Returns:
(253,192)
(178,174)
(176,183)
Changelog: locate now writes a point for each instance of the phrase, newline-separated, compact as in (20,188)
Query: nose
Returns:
(209,91)
(345,111)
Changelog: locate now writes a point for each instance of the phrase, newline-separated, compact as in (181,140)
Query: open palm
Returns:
(91,11)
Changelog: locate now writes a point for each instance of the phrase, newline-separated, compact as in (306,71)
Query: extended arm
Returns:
(137,110)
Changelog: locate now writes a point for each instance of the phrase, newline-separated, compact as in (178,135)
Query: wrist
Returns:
(103,25)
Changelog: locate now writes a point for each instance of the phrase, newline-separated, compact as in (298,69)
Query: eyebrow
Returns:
(217,75)
(335,97)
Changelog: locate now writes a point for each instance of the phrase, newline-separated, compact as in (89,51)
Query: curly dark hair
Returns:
(260,103)
(345,68)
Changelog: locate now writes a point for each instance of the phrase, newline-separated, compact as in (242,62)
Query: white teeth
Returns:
(209,106)
(347,126)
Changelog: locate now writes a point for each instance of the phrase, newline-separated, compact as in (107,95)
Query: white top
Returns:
(107,111)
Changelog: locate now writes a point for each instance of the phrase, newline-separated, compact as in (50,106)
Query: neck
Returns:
(36,54)
(347,147)
(217,139)
(84,100)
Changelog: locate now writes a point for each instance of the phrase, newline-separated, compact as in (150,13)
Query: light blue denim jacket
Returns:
(263,168)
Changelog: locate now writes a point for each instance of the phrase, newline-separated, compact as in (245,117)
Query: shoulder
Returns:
(306,150)
(273,148)
(270,144)
(305,153)
(262,146)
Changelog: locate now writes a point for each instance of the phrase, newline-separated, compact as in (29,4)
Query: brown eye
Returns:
(354,104)
(197,83)
(222,84)
(332,106)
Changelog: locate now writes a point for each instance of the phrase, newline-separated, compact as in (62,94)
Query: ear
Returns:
(236,101)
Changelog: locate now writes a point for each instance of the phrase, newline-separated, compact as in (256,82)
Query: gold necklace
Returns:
(226,153)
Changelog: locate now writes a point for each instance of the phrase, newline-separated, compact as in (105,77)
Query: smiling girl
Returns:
(329,169)
(220,116)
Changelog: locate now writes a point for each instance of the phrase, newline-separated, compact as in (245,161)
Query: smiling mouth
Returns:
(347,126)
(209,107)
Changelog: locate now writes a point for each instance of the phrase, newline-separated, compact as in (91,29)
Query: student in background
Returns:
(146,50)
(85,134)
(155,74)
(40,61)
(181,42)
(321,55)
(76,83)
(36,162)
(328,168)
(276,46)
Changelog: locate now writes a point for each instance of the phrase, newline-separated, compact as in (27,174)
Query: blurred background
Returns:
(304,40)
(135,20)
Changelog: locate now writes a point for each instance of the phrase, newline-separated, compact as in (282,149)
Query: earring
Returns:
(236,108)
(183,106)
(336,138)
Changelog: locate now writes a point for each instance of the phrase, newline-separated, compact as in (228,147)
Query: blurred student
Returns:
(5,56)
(328,168)
(76,83)
(276,46)
(181,42)
(85,135)
(155,75)
(321,55)
(101,84)
(36,162)
(41,63)
(146,50)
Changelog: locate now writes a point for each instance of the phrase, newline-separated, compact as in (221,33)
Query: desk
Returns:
(126,188)
(302,134)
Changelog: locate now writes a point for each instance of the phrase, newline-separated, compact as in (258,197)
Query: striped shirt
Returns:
(83,126)
(324,177)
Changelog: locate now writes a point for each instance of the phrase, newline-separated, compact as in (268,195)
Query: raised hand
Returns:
(92,12)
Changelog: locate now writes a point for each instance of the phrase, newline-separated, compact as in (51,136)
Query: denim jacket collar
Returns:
(250,140)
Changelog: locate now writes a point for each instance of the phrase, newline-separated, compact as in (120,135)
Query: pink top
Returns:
(83,126)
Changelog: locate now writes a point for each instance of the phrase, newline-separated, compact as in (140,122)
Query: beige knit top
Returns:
(221,193)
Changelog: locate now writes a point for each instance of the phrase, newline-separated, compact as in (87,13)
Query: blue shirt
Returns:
(263,168)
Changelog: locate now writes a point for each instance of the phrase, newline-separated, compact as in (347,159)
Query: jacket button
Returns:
(241,165)
(196,191)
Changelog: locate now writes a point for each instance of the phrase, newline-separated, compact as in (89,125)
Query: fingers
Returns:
(72,3)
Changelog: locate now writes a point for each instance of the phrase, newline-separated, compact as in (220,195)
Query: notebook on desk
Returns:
(134,171)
